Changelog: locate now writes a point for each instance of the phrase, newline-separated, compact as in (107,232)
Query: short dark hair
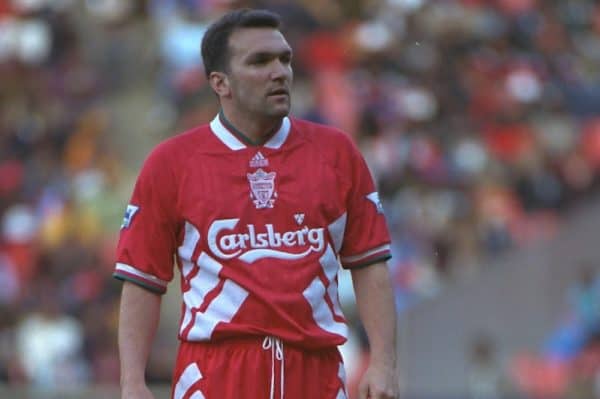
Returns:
(215,43)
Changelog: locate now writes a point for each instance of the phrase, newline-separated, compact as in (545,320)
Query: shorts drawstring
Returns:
(276,346)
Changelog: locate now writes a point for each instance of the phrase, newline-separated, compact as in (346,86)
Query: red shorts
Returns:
(257,368)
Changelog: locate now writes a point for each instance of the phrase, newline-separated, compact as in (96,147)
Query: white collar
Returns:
(232,141)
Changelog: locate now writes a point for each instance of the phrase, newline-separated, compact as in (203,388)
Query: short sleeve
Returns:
(148,236)
(366,236)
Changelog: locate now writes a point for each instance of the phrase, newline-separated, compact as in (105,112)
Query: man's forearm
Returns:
(138,320)
(375,302)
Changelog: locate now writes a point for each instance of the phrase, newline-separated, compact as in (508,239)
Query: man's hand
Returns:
(375,302)
(138,319)
(137,392)
(379,382)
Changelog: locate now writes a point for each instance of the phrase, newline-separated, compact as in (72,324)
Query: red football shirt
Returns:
(258,232)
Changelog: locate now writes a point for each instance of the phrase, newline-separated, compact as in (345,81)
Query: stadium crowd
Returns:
(480,120)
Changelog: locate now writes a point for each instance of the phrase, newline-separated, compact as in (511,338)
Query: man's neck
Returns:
(254,131)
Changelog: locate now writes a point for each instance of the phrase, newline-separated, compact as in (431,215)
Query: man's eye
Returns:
(259,61)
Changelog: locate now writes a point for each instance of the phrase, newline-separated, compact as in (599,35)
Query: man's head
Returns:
(248,63)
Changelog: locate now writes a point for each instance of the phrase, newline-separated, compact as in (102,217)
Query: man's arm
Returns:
(138,321)
(375,302)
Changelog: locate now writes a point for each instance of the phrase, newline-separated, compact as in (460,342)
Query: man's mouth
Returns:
(279,92)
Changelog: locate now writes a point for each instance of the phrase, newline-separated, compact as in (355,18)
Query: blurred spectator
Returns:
(585,371)
(584,300)
(571,355)
(50,343)
(486,377)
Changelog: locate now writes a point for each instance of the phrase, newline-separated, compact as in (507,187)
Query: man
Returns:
(259,209)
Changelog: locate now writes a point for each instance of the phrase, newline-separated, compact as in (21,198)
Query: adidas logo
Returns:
(259,161)
(299,218)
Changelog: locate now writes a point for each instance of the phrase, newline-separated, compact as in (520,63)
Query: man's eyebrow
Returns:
(268,54)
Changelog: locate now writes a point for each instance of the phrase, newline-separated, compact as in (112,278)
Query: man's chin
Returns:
(279,112)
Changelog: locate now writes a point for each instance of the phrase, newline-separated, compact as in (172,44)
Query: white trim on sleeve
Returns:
(138,273)
(364,255)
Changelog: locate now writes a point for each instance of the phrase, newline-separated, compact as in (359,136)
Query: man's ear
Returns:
(220,84)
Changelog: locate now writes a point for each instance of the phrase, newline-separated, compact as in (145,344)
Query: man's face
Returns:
(260,72)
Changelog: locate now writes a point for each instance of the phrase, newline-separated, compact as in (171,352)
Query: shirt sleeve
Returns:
(147,241)
(366,237)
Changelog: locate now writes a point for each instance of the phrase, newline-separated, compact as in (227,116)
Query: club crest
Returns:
(262,187)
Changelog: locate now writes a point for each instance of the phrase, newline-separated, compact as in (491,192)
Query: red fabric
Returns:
(5,8)
(596,19)
(11,176)
(24,257)
(590,143)
(587,364)
(337,99)
(539,378)
(325,50)
(235,369)
(515,7)
(508,143)
(249,269)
